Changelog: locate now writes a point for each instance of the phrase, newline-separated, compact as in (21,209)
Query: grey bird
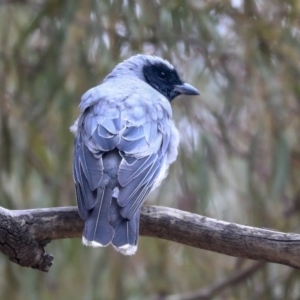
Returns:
(125,140)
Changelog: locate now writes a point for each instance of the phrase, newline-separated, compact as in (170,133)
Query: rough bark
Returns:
(24,234)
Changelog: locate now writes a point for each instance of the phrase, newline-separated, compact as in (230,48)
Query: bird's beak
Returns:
(186,89)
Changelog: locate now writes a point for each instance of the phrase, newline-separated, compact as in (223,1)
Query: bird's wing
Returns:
(92,141)
(143,151)
(143,148)
(88,173)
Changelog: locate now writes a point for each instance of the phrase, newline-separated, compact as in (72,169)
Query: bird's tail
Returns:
(98,231)
(105,225)
(126,231)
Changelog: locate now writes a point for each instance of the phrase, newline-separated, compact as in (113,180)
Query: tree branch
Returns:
(24,233)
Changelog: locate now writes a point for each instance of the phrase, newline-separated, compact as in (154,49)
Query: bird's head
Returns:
(158,73)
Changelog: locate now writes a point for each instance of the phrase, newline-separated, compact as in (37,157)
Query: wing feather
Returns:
(112,125)
(92,166)
(87,172)
(102,141)
(133,195)
(133,133)
(150,131)
(128,172)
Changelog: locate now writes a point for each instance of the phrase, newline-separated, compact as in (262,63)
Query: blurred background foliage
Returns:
(240,153)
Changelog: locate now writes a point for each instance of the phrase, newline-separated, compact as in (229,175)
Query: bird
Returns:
(125,141)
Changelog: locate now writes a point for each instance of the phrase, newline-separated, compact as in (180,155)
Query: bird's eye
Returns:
(162,75)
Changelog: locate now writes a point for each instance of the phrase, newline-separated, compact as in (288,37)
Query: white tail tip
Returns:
(126,249)
(91,243)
